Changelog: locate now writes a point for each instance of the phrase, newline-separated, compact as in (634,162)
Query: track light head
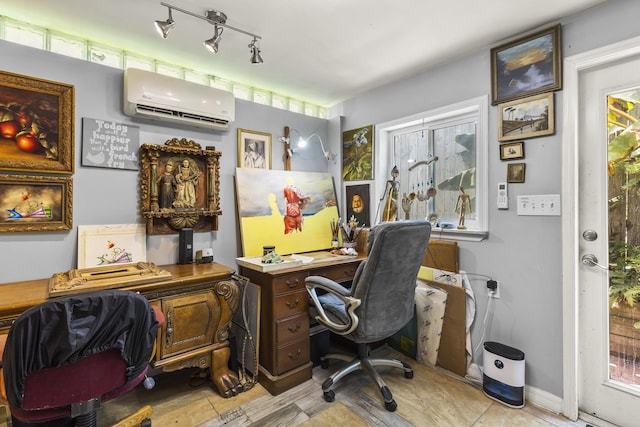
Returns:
(163,27)
(212,43)
(256,58)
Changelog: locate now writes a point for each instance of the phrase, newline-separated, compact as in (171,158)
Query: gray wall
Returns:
(109,196)
(522,252)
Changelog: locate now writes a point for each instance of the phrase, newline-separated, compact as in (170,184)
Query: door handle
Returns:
(592,261)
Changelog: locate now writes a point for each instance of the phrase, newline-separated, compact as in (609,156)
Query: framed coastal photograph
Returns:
(515,172)
(36,124)
(527,66)
(513,150)
(357,154)
(111,244)
(526,118)
(254,149)
(35,203)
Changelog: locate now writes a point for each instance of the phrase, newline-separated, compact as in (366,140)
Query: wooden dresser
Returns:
(198,303)
(284,319)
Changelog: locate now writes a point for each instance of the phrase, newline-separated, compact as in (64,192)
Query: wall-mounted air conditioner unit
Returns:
(155,96)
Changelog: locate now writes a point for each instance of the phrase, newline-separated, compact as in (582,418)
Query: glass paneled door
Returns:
(609,235)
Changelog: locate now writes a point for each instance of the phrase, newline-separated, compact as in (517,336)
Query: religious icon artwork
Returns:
(179,185)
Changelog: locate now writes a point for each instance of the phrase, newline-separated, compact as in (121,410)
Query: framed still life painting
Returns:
(35,203)
(36,124)
(289,210)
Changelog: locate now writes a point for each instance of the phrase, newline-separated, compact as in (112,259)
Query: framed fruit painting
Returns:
(36,124)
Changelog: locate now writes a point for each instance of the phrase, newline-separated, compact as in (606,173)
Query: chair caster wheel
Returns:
(408,375)
(391,406)
(330,396)
(324,364)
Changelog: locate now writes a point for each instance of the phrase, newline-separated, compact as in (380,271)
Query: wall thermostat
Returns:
(204,256)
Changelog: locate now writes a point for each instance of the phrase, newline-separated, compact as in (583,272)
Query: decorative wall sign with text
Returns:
(109,144)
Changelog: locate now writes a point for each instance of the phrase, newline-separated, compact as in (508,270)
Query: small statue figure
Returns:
(391,192)
(407,201)
(463,205)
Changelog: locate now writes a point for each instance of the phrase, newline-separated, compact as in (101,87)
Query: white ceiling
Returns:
(319,51)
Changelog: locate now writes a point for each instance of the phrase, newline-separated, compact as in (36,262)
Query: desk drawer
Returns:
(289,304)
(338,273)
(292,328)
(289,283)
(293,355)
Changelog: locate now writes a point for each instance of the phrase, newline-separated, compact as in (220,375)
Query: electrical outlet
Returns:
(495,293)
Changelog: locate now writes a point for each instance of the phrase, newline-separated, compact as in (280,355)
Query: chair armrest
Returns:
(326,284)
(312,283)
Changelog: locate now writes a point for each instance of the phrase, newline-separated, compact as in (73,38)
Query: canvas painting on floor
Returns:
(287,209)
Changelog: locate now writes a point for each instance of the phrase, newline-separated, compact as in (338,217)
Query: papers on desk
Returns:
(303,259)
(255,263)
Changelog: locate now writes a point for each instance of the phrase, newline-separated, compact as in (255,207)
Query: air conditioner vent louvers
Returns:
(163,112)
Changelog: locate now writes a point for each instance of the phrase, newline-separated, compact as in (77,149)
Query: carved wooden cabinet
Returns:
(198,303)
(284,320)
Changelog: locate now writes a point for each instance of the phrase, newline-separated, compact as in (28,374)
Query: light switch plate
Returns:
(540,205)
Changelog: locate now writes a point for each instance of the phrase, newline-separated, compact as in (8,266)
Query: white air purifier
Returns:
(503,374)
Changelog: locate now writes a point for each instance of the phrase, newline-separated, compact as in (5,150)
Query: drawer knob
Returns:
(292,283)
(294,328)
(295,356)
(294,305)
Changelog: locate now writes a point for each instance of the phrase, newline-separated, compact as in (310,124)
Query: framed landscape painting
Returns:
(527,66)
(526,118)
(36,124)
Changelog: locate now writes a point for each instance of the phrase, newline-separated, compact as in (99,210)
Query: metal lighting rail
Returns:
(211,21)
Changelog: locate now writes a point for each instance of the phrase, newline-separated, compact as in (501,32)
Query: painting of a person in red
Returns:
(296,201)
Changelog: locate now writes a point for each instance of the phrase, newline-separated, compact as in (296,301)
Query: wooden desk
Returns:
(198,303)
(284,318)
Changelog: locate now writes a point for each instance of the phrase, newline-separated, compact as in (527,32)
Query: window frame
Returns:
(473,108)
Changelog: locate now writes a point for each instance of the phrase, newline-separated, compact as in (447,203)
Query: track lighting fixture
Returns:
(219,22)
(255,52)
(163,27)
(212,43)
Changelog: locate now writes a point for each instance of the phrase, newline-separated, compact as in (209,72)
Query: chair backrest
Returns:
(82,340)
(385,282)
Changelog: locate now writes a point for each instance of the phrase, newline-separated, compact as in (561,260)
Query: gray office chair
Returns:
(379,303)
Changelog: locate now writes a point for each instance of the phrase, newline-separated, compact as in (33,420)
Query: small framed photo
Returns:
(511,151)
(526,118)
(527,66)
(35,203)
(254,149)
(515,172)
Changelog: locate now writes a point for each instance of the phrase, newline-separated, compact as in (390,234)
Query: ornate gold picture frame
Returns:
(35,203)
(36,124)
(179,186)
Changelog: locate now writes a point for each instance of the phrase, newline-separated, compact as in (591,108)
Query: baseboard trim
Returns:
(543,399)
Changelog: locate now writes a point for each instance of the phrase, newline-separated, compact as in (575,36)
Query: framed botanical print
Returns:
(254,149)
(36,124)
(357,154)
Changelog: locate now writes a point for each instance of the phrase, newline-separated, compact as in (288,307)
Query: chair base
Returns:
(363,362)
